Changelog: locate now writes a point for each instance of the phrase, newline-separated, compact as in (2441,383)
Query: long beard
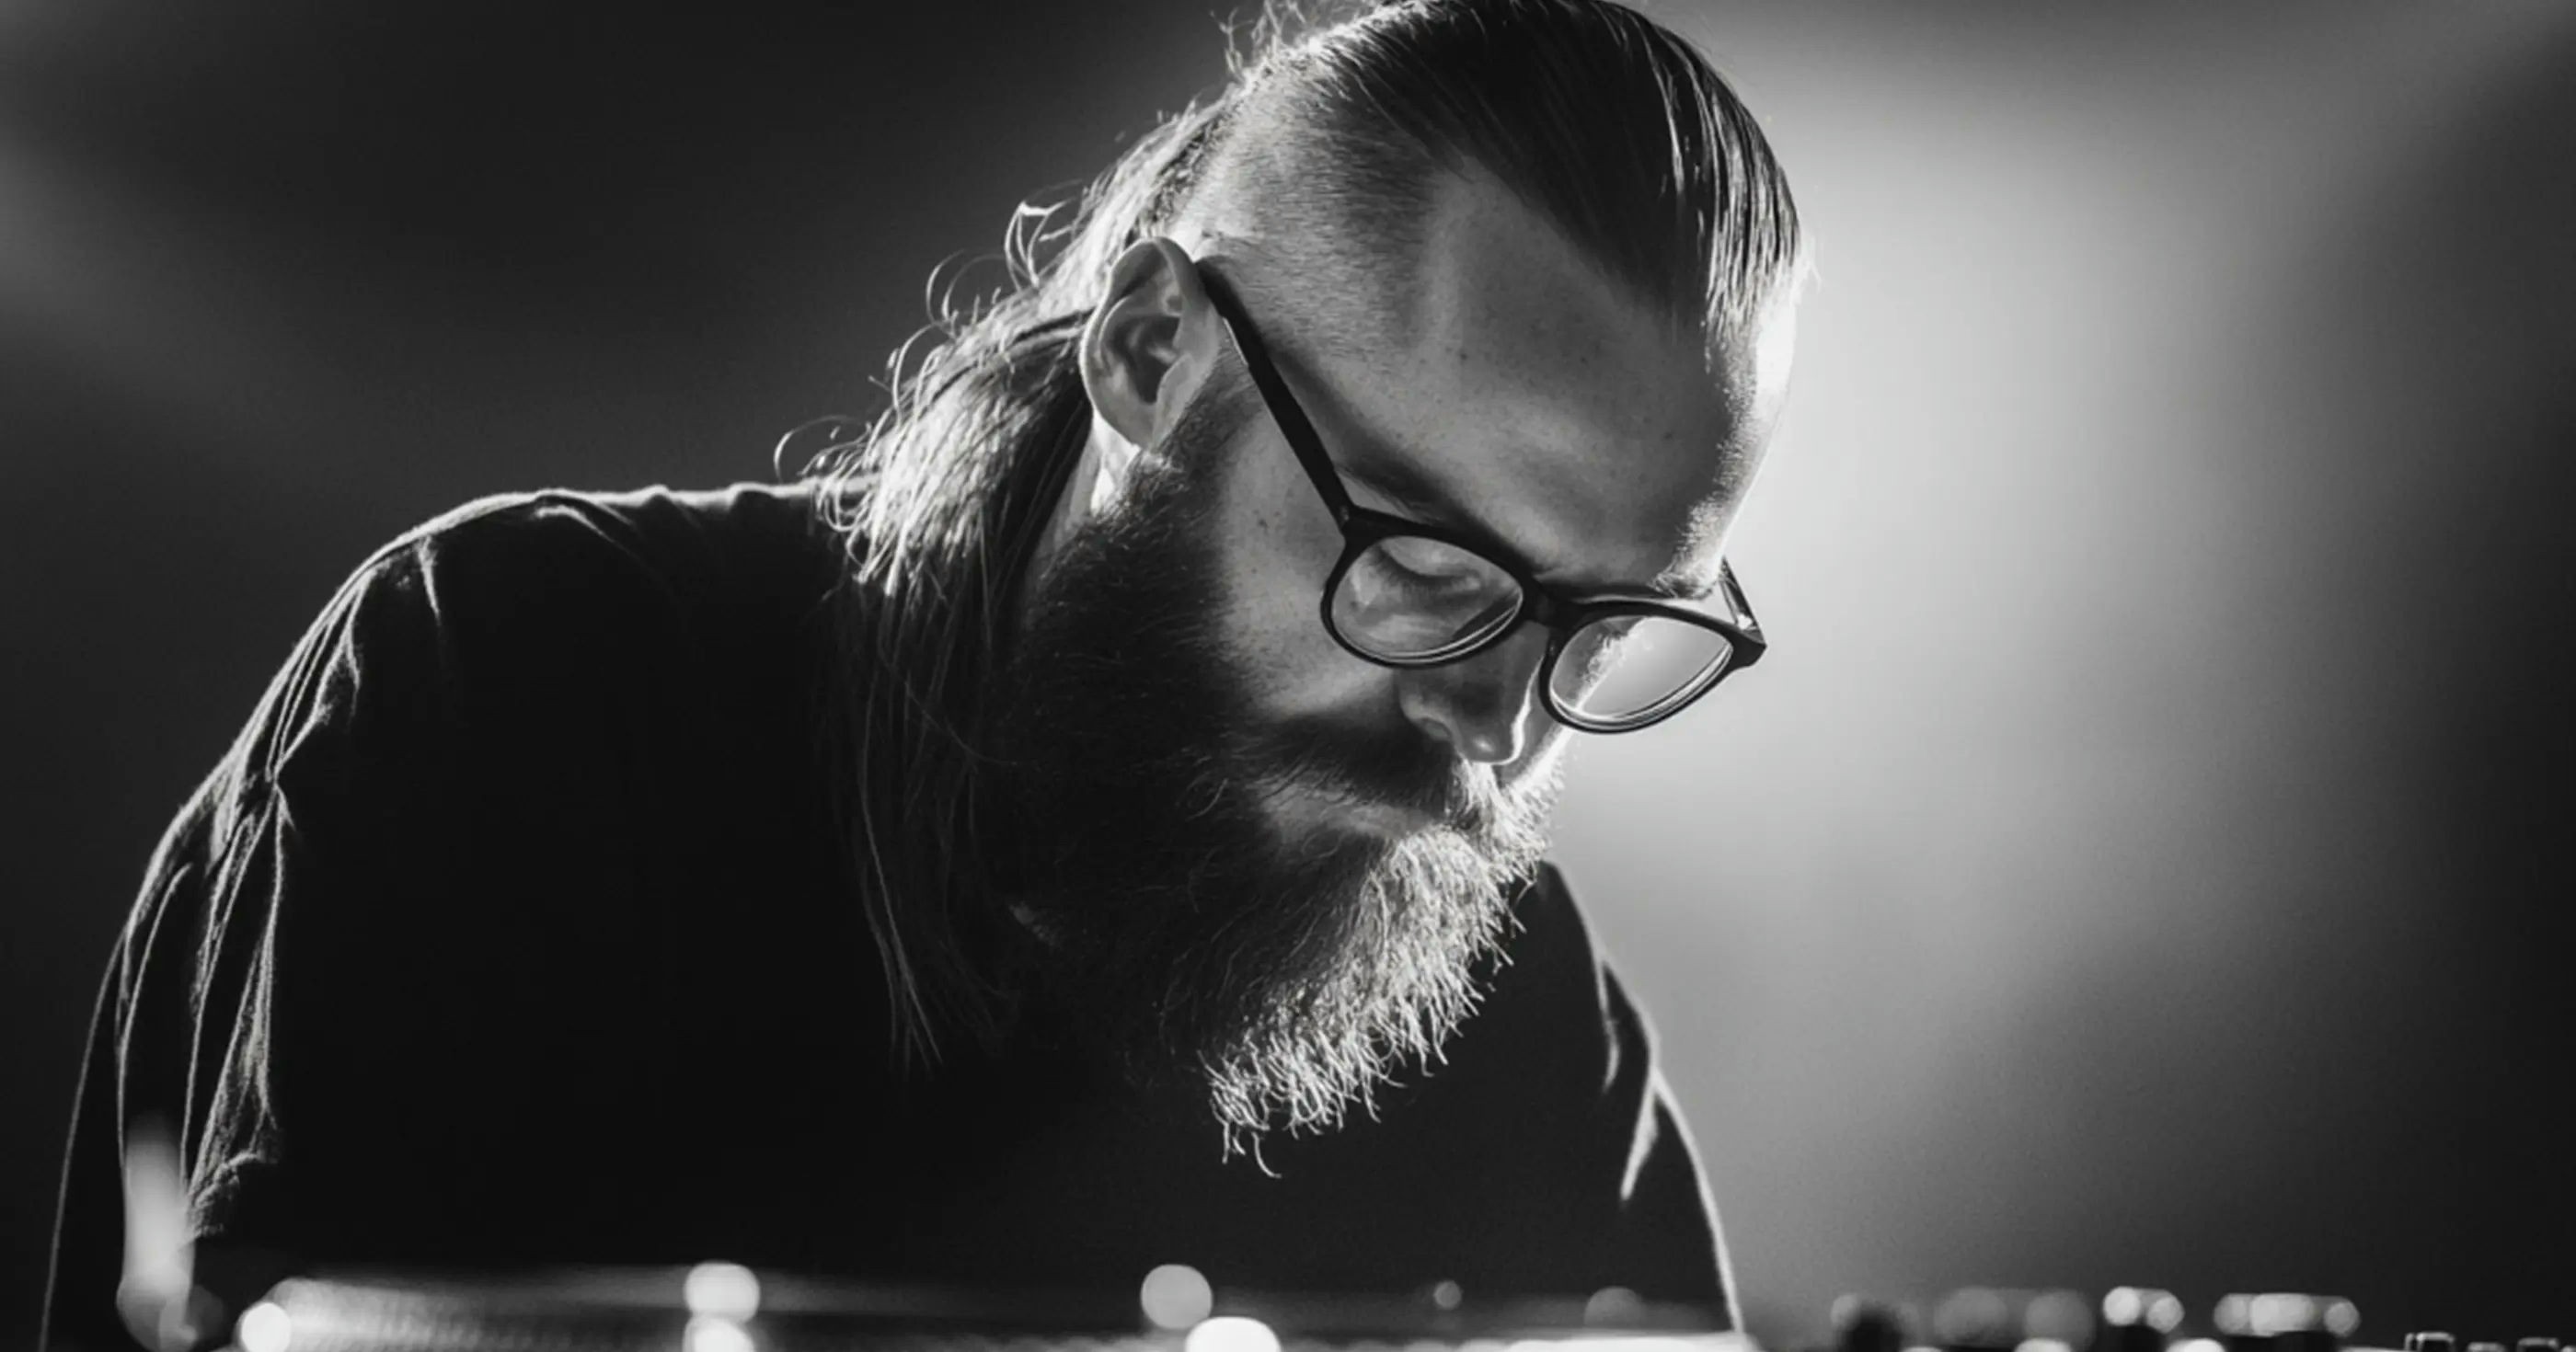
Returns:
(1179,930)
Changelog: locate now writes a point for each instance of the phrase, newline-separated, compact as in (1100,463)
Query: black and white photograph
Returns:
(1302,676)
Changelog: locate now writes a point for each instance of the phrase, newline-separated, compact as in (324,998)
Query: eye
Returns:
(1409,597)
(1427,565)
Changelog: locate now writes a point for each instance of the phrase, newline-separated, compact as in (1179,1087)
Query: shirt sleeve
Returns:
(389,982)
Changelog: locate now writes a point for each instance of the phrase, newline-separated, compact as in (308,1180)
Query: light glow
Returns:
(2060,1316)
(1970,1314)
(721,1291)
(1611,1307)
(709,1334)
(1175,1297)
(1227,1333)
(265,1327)
(2280,1312)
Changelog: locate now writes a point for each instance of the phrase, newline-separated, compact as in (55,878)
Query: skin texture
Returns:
(1527,394)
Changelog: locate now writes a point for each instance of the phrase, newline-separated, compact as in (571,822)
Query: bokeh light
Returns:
(721,1291)
(1175,1296)
(707,1333)
(264,1327)
(1231,1333)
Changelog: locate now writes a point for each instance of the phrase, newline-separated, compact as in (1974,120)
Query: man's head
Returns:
(1527,268)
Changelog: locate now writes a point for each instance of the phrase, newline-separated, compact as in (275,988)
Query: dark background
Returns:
(2144,859)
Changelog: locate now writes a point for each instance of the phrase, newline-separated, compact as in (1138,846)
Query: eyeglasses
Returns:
(1405,594)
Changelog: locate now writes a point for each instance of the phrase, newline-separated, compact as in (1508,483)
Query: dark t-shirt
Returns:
(515,929)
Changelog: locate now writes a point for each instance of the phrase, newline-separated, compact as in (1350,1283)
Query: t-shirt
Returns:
(516,929)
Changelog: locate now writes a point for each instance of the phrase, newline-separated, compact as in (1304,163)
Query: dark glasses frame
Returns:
(1560,614)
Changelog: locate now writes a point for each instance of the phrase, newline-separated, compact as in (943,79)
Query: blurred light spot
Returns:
(2043,1345)
(1613,1306)
(2142,1305)
(2278,1312)
(265,1327)
(156,1295)
(721,1291)
(1175,1296)
(1447,1294)
(157,1252)
(710,1334)
(1971,1314)
(1229,1333)
(2059,1316)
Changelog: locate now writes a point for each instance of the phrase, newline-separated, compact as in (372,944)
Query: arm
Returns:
(370,978)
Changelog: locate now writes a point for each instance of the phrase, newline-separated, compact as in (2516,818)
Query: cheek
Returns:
(1276,544)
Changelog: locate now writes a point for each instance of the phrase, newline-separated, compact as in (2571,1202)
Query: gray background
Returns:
(2141,859)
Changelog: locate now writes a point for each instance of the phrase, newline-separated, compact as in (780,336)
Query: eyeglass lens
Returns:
(1626,668)
(1408,598)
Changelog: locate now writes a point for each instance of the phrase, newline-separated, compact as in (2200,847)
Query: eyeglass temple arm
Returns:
(1283,406)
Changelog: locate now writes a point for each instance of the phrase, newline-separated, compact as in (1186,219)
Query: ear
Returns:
(1147,347)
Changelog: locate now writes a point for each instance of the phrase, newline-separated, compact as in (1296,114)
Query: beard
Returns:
(1178,928)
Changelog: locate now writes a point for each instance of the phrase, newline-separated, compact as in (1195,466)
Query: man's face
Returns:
(1255,856)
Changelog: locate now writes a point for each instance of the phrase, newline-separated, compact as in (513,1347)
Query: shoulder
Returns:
(1553,992)
(1553,1062)
(516,602)
(1540,1153)
(651,548)
(1661,1237)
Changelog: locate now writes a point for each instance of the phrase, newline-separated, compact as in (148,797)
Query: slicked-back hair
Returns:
(1611,127)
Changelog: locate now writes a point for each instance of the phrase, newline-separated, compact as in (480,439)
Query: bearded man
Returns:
(1091,819)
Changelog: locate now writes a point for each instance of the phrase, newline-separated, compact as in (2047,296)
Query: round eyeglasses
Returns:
(1407,594)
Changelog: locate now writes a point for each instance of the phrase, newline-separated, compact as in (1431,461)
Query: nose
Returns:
(1482,707)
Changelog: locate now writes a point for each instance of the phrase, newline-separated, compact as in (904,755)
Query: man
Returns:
(1094,818)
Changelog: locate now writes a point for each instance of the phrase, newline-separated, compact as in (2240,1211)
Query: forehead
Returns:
(1540,400)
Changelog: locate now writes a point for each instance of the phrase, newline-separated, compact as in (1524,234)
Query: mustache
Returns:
(1399,767)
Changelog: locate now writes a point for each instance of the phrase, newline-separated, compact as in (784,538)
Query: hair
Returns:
(1611,127)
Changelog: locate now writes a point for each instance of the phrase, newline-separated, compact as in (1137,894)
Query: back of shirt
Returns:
(515,929)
